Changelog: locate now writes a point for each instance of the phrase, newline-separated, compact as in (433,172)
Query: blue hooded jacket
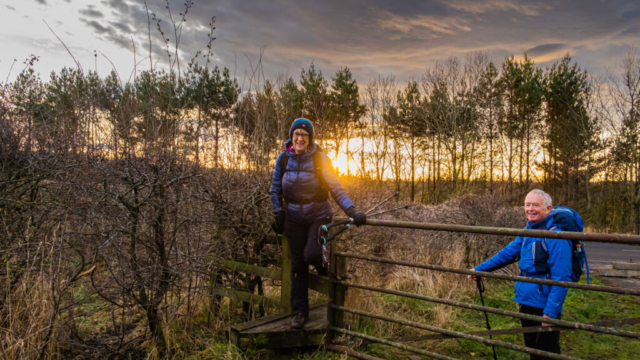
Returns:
(300,182)
(539,258)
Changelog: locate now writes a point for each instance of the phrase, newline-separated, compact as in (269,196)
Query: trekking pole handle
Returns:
(326,228)
(326,239)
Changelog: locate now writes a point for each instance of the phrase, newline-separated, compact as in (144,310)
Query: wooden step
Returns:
(275,331)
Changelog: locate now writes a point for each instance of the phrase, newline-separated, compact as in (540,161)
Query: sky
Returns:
(372,38)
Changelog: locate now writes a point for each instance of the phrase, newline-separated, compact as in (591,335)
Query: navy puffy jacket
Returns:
(554,264)
(300,182)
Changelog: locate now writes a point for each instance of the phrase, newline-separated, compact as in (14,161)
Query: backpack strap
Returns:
(284,160)
(317,167)
(323,193)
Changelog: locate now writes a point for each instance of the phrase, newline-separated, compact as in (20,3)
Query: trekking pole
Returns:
(388,211)
(480,286)
(382,203)
(326,239)
(325,228)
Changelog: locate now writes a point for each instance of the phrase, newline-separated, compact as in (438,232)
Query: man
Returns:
(542,259)
(303,179)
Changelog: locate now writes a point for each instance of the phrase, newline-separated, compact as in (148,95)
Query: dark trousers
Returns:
(305,250)
(547,341)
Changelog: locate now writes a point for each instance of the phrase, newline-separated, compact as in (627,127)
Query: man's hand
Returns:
(472,277)
(546,324)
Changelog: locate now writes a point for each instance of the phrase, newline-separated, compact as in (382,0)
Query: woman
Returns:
(302,181)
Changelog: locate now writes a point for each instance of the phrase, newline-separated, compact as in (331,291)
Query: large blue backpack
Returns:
(578,254)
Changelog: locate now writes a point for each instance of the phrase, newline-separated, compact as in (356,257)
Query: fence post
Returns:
(286,302)
(337,292)
(215,281)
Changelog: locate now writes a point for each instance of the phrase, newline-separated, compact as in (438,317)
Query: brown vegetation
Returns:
(118,201)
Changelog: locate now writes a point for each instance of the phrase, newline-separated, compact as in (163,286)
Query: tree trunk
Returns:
(215,150)
(364,172)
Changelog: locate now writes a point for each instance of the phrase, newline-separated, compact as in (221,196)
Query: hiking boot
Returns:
(298,320)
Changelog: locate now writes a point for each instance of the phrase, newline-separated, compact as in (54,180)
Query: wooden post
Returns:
(215,281)
(286,302)
(337,293)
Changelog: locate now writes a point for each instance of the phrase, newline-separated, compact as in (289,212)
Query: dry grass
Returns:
(39,316)
(454,250)
(26,320)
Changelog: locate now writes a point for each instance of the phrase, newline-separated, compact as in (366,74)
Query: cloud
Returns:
(400,37)
(118,5)
(122,27)
(42,2)
(545,54)
(545,49)
(631,14)
(10,7)
(91,13)
(435,24)
(528,8)
(99,28)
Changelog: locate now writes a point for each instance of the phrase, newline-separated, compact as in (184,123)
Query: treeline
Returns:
(469,125)
(476,126)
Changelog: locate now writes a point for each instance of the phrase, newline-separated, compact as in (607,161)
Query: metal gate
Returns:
(339,285)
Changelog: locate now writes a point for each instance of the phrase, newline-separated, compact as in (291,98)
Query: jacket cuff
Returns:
(351,211)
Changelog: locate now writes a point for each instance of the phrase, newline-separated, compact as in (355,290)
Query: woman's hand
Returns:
(359,218)
(278,222)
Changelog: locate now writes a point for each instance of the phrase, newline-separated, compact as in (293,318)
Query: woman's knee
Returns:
(312,257)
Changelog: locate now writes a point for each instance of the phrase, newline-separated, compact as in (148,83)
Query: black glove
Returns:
(278,222)
(358,217)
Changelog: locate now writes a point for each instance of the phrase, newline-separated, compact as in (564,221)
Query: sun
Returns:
(340,164)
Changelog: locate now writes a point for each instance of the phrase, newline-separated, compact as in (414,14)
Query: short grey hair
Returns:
(547,198)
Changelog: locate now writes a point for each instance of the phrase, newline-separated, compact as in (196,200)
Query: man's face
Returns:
(300,141)
(534,208)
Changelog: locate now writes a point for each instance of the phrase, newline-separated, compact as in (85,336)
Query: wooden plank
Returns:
(272,318)
(317,320)
(264,272)
(319,284)
(286,301)
(278,334)
(258,322)
(244,296)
